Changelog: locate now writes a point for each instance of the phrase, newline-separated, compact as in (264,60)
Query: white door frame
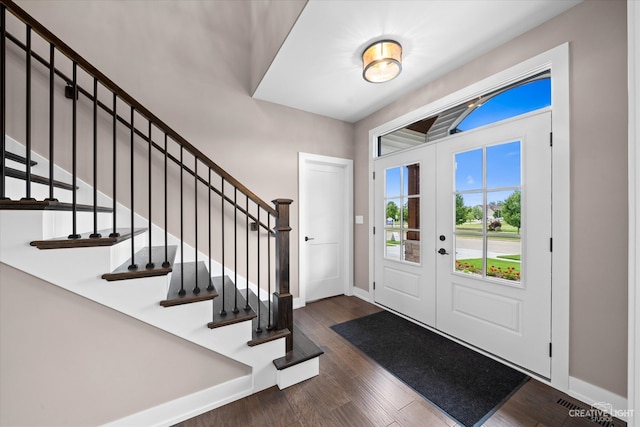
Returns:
(633,35)
(305,159)
(557,60)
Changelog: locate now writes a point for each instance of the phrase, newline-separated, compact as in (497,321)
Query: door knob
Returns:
(443,251)
(306,239)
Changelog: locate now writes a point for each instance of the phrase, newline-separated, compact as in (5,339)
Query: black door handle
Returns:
(443,251)
(306,239)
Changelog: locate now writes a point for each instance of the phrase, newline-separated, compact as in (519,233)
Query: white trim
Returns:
(347,165)
(298,303)
(183,408)
(557,60)
(633,35)
(362,294)
(590,394)
(297,373)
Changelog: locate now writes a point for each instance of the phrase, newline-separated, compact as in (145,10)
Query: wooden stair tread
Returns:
(48,205)
(267,334)
(187,274)
(86,241)
(18,174)
(142,258)
(303,349)
(18,158)
(229,293)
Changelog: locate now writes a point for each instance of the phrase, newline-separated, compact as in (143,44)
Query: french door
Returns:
(484,235)
(405,269)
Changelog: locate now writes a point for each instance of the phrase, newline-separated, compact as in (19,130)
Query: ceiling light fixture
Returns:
(382,61)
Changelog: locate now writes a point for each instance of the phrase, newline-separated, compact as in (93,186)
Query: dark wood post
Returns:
(283,300)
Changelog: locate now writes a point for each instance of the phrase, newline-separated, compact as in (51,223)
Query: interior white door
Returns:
(494,265)
(324,244)
(404,233)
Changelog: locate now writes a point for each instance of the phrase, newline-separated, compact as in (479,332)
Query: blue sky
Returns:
(519,100)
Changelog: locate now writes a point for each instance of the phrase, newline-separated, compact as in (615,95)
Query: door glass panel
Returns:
(412,181)
(469,170)
(393,242)
(468,211)
(402,213)
(503,165)
(392,183)
(487,216)
(503,258)
(469,250)
(503,212)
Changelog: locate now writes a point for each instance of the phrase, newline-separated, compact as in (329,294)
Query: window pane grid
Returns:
(402,213)
(487,233)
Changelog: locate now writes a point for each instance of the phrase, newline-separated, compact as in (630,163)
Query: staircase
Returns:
(107,201)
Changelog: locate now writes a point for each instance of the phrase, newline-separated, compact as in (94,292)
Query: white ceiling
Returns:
(319,66)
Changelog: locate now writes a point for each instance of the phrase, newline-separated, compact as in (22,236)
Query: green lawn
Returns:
(495,267)
(513,257)
(477,228)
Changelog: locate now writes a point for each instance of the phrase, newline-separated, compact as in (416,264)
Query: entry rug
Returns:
(466,385)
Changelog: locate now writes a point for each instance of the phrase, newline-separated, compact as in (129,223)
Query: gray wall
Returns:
(596,31)
(68,361)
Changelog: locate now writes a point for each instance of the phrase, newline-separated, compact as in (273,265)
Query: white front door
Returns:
(463,234)
(324,226)
(404,233)
(494,262)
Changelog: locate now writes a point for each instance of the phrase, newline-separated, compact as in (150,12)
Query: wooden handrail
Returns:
(122,94)
(283,300)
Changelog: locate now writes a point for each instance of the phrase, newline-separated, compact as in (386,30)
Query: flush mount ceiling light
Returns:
(382,61)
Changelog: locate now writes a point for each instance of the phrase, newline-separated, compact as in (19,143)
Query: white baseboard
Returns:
(362,294)
(590,394)
(298,303)
(183,408)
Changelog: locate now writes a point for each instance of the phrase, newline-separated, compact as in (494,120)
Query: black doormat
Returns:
(464,384)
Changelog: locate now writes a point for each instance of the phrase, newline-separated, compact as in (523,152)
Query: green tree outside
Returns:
(511,210)
(393,211)
(462,212)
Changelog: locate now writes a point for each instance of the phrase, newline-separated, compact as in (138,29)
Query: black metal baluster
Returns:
(223,312)
(52,75)
(247,307)
(150,264)
(3,92)
(114,166)
(269,316)
(182,291)
(259,328)
(74,146)
(95,233)
(166,262)
(196,289)
(28,118)
(235,249)
(210,287)
(133,265)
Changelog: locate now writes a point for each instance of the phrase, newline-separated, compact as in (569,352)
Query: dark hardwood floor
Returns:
(352,390)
